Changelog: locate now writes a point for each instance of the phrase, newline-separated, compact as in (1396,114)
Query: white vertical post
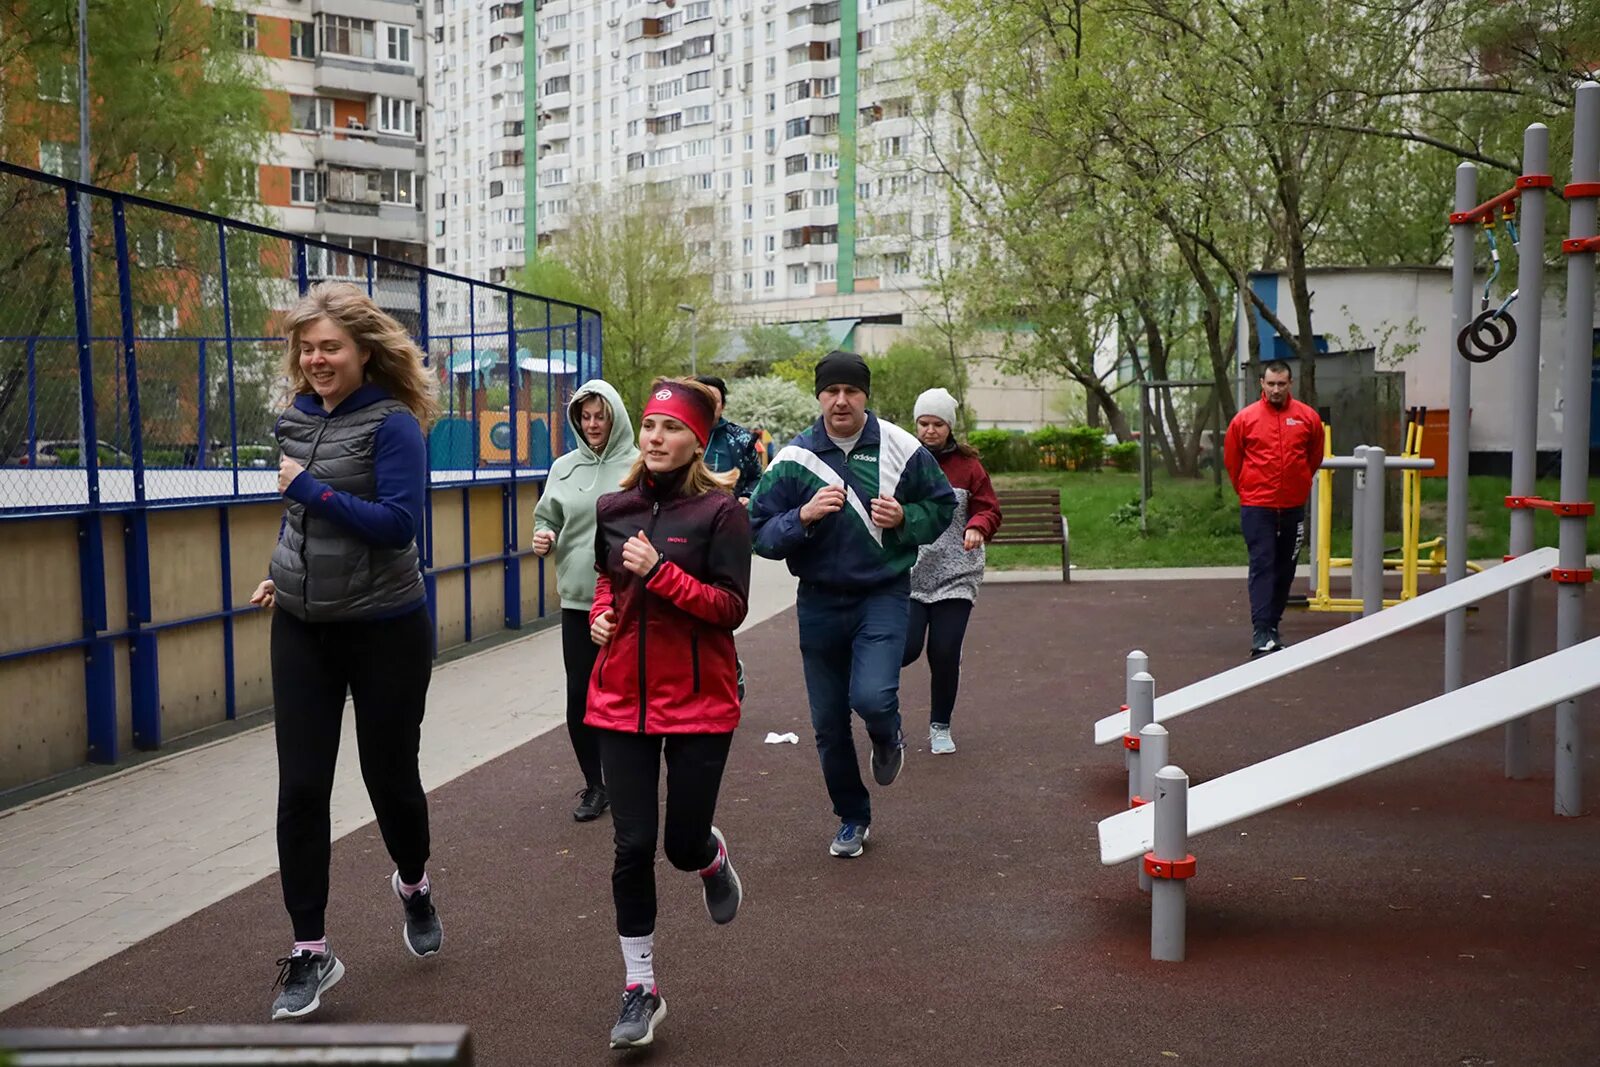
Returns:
(1455,530)
(1141,713)
(1153,755)
(1168,898)
(1136,663)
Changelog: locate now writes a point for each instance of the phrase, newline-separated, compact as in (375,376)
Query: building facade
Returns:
(785,129)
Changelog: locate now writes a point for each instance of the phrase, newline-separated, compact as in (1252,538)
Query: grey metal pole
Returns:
(1524,426)
(1575,387)
(1358,525)
(1154,753)
(1141,713)
(1455,529)
(1168,925)
(1313,504)
(1372,541)
(694,342)
(1137,663)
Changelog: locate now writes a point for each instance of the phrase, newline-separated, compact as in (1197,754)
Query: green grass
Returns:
(1193,524)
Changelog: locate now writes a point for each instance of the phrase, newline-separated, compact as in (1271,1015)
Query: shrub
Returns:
(778,406)
(1125,456)
(1085,448)
(1003,451)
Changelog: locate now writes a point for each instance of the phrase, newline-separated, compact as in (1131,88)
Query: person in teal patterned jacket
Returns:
(846,504)
(732,447)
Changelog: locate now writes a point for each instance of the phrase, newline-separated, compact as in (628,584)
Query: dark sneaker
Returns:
(1262,642)
(850,841)
(887,758)
(422,933)
(591,803)
(723,889)
(1278,643)
(636,1024)
(305,976)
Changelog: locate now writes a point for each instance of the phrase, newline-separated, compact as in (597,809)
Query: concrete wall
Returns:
(43,715)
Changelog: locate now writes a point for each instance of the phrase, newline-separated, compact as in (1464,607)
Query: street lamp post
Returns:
(694,336)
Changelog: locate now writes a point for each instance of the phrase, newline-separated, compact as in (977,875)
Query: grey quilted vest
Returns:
(323,572)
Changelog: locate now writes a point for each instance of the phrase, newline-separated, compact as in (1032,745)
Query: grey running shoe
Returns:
(422,933)
(723,889)
(850,841)
(939,739)
(636,1024)
(887,758)
(305,976)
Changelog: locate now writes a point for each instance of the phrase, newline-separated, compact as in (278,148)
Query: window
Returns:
(797,274)
(156,320)
(243,31)
(824,197)
(892,146)
(769,279)
(303,187)
(396,187)
(771,242)
(397,44)
(59,158)
(749,245)
(56,81)
(397,116)
(496,189)
(697,116)
(310,113)
(348,37)
(795,201)
(700,79)
(302,40)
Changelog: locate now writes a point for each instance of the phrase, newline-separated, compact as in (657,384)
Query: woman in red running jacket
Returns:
(673,554)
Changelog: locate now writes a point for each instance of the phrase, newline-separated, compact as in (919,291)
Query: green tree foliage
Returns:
(789,351)
(902,372)
(776,405)
(634,260)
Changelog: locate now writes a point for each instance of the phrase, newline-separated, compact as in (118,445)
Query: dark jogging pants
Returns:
(385,664)
(633,774)
(944,626)
(1273,537)
(578,653)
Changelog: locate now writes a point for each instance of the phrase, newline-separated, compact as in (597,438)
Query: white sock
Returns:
(638,954)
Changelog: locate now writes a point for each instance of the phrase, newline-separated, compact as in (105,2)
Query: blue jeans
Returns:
(851,645)
(1272,536)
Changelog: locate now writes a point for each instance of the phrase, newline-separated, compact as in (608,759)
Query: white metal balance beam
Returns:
(1339,640)
(1366,748)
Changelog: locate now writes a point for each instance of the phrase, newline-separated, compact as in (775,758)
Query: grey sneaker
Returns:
(304,976)
(723,889)
(636,1024)
(887,758)
(939,739)
(422,933)
(850,841)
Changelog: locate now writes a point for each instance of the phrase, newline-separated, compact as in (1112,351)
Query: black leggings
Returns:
(385,664)
(633,771)
(945,624)
(578,653)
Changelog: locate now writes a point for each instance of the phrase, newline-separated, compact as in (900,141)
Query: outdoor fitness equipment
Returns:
(1491,332)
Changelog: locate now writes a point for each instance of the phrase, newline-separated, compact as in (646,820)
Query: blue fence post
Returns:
(201,405)
(99,669)
(225,564)
(143,652)
(33,401)
(300,273)
(369,275)
(472,378)
(227,345)
(508,500)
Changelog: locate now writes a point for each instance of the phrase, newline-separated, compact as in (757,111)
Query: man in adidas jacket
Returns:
(847,503)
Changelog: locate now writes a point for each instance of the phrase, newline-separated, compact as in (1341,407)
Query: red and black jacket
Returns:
(669,667)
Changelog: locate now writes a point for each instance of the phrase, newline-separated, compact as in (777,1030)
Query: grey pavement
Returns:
(89,871)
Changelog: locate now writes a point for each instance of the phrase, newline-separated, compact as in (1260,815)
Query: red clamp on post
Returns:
(1577,246)
(1173,869)
(1137,801)
(1534,181)
(1581,191)
(1517,503)
(1572,509)
(1130,742)
(1572,576)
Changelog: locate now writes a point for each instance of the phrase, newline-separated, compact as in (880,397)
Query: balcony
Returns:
(367,149)
(394,222)
(361,77)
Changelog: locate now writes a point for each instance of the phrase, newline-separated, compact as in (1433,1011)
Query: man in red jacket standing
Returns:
(1272,450)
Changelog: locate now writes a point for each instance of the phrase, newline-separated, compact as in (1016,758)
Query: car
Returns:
(49,454)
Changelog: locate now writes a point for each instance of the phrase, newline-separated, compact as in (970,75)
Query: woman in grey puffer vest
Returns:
(351,613)
(945,580)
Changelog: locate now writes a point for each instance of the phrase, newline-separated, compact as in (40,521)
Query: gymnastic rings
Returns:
(1487,335)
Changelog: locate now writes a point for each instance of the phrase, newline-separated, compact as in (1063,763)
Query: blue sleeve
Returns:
(775,527)
(400,463)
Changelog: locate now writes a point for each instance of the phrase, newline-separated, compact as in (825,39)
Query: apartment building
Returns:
(343,78)
(786,129)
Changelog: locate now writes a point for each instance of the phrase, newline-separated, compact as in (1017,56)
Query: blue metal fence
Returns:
(140,371)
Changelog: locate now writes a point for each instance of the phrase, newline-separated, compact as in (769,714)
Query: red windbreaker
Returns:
(669,667)
(1271,453)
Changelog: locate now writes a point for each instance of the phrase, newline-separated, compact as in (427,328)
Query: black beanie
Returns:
(843,368)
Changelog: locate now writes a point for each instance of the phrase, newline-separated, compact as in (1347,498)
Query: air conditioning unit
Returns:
(612,22)
(615,52)
(744,16)
(765,8)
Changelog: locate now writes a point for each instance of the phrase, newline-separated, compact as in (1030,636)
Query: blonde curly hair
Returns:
(393,359)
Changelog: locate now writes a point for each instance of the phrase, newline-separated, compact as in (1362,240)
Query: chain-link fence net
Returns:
(153,370)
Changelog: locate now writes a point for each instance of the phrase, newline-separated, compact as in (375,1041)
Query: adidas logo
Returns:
(866,459)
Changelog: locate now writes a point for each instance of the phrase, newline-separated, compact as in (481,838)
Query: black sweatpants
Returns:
(633,772)
(944,625)
(578,653)
(1272,536)
(385,664)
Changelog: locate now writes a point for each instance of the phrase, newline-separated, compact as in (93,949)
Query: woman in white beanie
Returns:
(945,580)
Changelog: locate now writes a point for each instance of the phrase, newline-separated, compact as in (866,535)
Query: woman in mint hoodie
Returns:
(563,523)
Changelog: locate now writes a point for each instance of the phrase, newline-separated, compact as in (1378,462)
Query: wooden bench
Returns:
(1033,517)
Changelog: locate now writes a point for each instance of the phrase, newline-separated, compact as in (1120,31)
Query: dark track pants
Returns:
(1273,537)
(944,625)
(632,765)
(385,664)
(578,654)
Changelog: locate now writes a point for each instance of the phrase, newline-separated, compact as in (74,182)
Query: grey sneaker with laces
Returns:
(641,1012)
(723,889)
(422,931)
(850,841)
(304,976)
(939,740)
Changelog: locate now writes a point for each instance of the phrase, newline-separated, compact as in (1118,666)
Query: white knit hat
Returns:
(938,403)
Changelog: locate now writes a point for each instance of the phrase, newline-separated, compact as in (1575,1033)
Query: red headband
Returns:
(685,405)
